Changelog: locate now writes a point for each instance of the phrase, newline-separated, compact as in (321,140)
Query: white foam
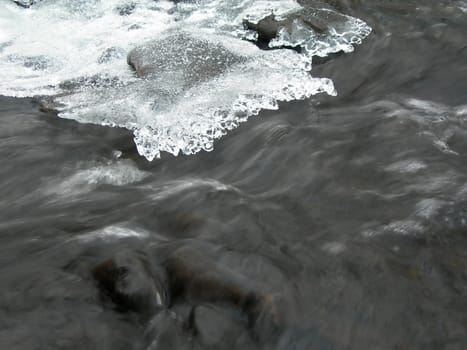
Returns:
(444,147)
(113,232)
(120,173)
(461,111)
(334,248)
(426,208)
(435,183)
(174,188)
(406,227)
(77,49)
(462,5)
(429,107)
(408,166)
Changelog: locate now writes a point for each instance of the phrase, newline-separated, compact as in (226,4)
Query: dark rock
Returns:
(269,27)
(25,3)
(46,104)
(215,326)
(133,283)
(196,277)
(238,307)
(184,1)
(265,319)
(184,313)
(181,222)
(166,331)
(199,278)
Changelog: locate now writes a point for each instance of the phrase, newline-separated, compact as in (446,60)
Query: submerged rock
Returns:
(198,278)
(166,331)
(182,290)
(47,104)
(214,326)
(133,283)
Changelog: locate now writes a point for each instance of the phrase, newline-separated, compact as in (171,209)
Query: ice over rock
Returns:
(201,88)
(181,57)
(24,3)
(194,75)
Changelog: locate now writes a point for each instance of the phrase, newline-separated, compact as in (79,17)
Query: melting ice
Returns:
(205,78)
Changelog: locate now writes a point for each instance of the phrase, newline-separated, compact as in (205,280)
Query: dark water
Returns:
(350,210)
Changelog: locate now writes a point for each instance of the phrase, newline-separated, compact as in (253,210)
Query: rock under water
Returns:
(133,283)
(161,288)
(196,75)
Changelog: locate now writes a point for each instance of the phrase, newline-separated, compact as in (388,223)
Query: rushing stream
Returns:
(326,165)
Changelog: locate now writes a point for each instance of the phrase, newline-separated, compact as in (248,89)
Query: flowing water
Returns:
(334,174)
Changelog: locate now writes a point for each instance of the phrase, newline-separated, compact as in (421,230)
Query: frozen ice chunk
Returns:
(336,32)
(188,89)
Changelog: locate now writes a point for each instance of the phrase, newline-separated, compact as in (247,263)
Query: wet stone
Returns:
(215,326)
(47,104)
(166,331)
(269,27)
(133,283)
